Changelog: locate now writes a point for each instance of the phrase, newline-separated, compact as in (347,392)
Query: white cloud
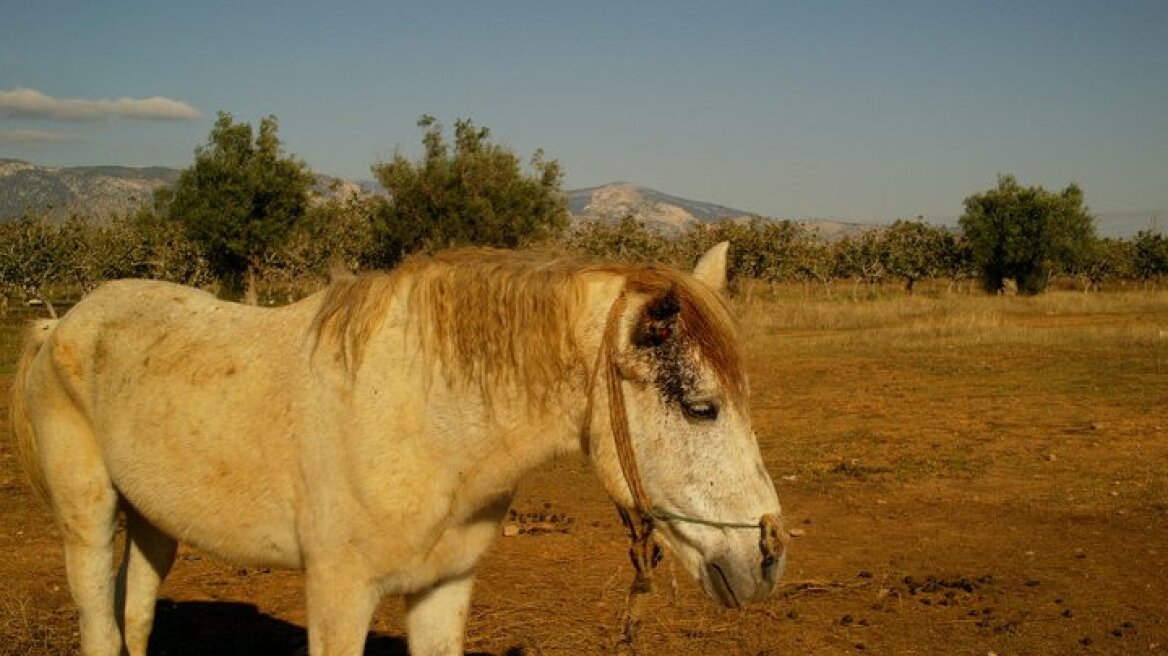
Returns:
(36,137)
(30,103)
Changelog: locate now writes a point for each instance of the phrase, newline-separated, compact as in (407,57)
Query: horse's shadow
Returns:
(217,628)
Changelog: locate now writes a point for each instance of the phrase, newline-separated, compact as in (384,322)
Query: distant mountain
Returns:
(613,202)
(672,214)
(105,190)
(102,191)
(92,190)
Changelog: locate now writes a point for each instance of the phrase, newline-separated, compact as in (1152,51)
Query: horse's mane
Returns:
(493,316)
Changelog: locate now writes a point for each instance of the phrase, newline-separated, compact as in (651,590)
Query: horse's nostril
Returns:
(772,542)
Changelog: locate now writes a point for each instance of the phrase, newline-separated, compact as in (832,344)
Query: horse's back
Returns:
(134,336)
(185,400)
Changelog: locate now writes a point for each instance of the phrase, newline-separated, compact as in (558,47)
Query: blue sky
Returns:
(867,110)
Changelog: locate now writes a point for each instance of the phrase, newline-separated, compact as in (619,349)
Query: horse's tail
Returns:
(26,442)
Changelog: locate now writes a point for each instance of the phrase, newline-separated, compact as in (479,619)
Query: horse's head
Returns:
(670,391)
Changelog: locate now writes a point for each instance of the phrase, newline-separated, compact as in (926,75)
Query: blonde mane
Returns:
(493,316)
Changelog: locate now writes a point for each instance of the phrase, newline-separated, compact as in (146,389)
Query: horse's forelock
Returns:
(703,318)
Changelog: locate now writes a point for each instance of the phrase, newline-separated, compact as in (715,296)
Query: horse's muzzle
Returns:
(736,579)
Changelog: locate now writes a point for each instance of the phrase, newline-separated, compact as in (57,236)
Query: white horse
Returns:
(373,434)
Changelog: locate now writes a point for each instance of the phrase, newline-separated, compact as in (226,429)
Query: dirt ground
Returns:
(981,480)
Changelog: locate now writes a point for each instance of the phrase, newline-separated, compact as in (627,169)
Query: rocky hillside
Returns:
(671,214)
(613,202)
(101,191)
(91,190)
(105,190)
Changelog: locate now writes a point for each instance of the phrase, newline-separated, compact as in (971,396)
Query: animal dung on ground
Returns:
(536,523)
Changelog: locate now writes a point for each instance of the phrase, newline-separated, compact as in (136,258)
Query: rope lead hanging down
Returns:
(644,552)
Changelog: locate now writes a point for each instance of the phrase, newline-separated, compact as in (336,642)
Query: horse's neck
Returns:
(481,442)
(527,435)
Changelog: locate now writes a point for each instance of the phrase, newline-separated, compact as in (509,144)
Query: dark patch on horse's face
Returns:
(658,321)
(666,349)
(675,376)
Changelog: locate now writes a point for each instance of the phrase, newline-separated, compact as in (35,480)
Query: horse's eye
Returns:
(700,410)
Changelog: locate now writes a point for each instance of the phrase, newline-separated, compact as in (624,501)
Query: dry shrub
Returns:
(900,320)
(31,631)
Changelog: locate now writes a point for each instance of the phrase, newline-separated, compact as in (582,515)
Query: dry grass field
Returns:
(968,475)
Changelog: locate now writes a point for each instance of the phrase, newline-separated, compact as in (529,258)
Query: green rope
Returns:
(667,516)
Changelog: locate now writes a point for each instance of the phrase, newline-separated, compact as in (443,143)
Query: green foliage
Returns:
(1026,233)
(161,249)
(336,231)
(240,198)
(776,251)
(763,250)
(1150,256)
(914,250)
(956,258)
(861,257)
(1101,261)
(628,240)
(470,192)
(40,258)
(34,255)
(243,206)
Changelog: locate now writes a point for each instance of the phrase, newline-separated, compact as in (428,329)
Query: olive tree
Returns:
(1150,257)
(240,198)
(1026,233)
(912,251)
(471,191)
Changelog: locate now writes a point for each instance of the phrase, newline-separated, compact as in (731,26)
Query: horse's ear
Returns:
(658,320)
(711,267)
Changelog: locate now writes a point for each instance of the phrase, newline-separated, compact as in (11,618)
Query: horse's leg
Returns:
(341,601)
(89,556)
(85,504)
(149,556)
(436,617)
